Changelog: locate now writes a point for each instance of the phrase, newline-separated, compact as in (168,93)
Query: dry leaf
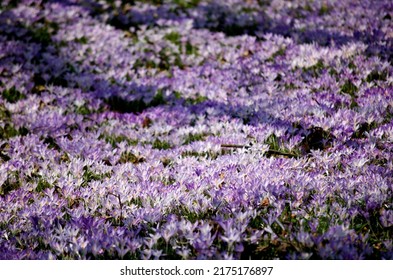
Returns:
(265,202)
(146,122)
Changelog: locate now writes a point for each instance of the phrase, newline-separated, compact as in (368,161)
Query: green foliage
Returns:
(257,222)
(349,88)
(196,100)
(42,185)
(186,4)
(4,113)
(12,95)
(115,139)
(333,72)
(278,53)
(352,65)
(143,63)
(9,131)
(290,86)
(324,10)
(81,40)
(166,60)
(190,49)
(177,94)
(323,224)
(89,176)
(276,148)
(273,142)
(372,228)
(154,2)
(194,137)
(173,37)
(158,99)
(43,33)
(83,110)
(315,70)
(161,145)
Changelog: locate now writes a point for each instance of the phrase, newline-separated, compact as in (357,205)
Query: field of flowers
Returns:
(191,129)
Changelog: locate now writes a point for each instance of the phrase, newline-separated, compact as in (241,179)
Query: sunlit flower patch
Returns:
(195,129)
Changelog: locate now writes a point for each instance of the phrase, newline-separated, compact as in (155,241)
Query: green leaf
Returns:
(42,185)
(12,95)
(349,88)
(173,37)
(161,145)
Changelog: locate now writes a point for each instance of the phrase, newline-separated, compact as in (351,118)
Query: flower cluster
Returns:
(196,129)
